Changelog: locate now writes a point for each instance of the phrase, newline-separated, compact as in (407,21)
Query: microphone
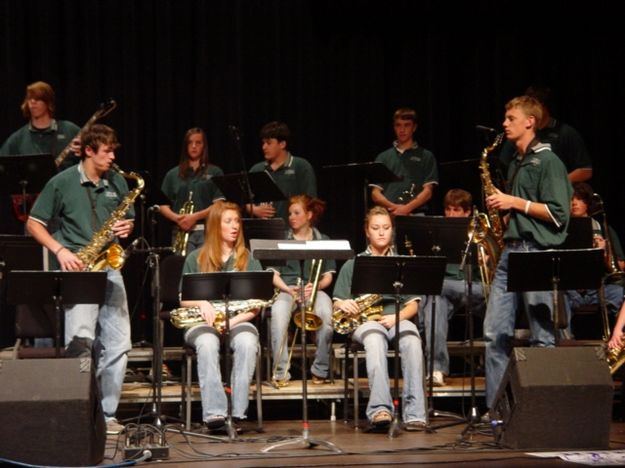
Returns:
(482,128)
(154,208)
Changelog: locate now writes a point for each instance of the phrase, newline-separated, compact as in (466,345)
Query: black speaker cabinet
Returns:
(50,412)
(554,398)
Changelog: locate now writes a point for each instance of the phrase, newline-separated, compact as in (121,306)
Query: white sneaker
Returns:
(438,380)
(113,427)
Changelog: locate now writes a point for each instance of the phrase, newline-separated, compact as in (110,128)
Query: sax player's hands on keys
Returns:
(348,305)
(500,200)
(616,341)
(207,311)
(123,228)
(68,261)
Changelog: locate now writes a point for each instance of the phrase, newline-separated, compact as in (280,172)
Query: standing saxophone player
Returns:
(539,205)
(84,196)
(192,176)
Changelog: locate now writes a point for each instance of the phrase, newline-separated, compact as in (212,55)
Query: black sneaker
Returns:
(215,422)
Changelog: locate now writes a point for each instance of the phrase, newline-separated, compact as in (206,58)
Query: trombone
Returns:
(312,322)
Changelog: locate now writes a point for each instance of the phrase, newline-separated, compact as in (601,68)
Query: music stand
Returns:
(405,275)
(57,288)
(227,286)
(554,270)
(578,234)
(423,235)
(260,228)
(301,251)
(364,173)
(262,187)
(25,174)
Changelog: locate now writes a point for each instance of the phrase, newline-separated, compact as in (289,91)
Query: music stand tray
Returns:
(262,187)
(235,285)
(58,288)
(20,253)
(573,269)
(25,173)
(428,235)
(579,234)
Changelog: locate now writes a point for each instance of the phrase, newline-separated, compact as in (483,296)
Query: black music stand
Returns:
(554,270)
(58,288)
(25,174)
(404,275)
(301,251)
(262,187)
(427,235)
(227,286)
(260,228)
(365,174)
(579,234)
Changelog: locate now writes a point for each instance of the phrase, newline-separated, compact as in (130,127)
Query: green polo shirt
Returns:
(205,192)
(191,265)
(291,271)
(540,176)
(416,165)
(81,205)
(295,177)
(53,140)
(343,287)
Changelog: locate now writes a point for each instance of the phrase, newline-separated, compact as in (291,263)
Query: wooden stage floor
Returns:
(445,446)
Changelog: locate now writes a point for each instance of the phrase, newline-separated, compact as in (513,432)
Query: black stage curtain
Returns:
(333,77)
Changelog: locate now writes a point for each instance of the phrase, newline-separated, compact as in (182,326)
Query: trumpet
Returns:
(182,237)
(615,275)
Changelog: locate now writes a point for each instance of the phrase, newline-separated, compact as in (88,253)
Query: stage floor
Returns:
(441,447)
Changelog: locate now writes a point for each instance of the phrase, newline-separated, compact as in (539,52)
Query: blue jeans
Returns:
(613,299)
(452,297)
(501,316)
(375,339)
(108,325)
(280,319)
(207,343)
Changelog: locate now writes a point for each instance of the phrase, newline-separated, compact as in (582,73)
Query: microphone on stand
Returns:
(483,128)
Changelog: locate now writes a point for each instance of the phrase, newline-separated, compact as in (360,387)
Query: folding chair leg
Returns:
(259,392)
(189,392)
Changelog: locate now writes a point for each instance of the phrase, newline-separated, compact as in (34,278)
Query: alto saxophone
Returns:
(345,323)
(93,255)
(486,230)
(182,237)
(187,317)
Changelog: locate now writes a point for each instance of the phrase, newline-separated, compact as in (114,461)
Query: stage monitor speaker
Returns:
(50,412)
(554,398)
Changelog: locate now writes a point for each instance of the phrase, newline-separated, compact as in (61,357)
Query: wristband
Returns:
(527,206)
(58,250)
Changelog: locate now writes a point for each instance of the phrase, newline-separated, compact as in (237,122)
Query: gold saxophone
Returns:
(182,237)
(187,317)
(615,358)
(345,323)
(93,255)
(486,230)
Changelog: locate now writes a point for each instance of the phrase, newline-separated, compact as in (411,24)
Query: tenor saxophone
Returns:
(369,309)
(187,317)
(94,255)
(486,229)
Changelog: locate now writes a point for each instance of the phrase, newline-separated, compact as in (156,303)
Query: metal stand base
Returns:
(304,442)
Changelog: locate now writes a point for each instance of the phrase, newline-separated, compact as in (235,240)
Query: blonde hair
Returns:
(529,106)
(377,211)
(209,258)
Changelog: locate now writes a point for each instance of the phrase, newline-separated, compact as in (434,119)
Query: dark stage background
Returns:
(333,77)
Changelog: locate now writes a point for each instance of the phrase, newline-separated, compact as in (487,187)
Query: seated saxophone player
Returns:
(581,206)
(457,204)
(191,192)
(223,250)
(538,201)
(304,213)
(84,197)
(376,335)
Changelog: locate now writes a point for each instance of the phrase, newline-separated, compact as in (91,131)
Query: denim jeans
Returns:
(501,316)
(613,299)
(375,338)
(452,297)
(108,325)
(207,344)
(280,319)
